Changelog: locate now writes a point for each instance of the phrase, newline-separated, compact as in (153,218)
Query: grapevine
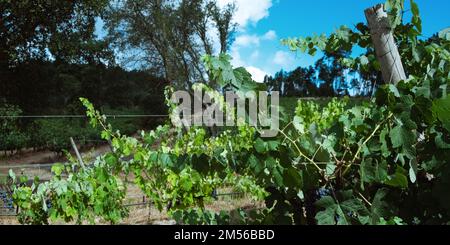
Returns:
(338,164)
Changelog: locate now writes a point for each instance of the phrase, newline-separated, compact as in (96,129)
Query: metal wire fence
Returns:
(13,211)
(7,209)
(43,170)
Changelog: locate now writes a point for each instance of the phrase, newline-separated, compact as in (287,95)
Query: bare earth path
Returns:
(42,157)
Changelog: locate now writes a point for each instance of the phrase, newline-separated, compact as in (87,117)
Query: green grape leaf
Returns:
(403,138)
(398,179)
(293,178)
(57,169)
(393,89)
(340,213)
(255,164)
(373,171)
(441,108)
(261,146)
(277,174)
(416,21)
(273,145)
(380,208)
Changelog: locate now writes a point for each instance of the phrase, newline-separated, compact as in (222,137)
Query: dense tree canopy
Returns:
(49,57)
(39,29)
(170,36)
(327,78)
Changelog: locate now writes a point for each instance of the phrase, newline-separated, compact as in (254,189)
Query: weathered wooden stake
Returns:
(74,146)
(385,47)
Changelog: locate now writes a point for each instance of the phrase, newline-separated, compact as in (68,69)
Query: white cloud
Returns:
(257,74)
(255,55)
(254,40)
(247,40)
(270,35)
(236,61)
(283,58)
(249,11)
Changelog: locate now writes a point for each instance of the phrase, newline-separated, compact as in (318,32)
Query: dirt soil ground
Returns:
(42,157)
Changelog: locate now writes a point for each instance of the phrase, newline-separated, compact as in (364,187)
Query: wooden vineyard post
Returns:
(74,146)
(384,43)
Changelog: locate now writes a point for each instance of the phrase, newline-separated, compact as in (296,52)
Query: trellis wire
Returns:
(83,116)
(143,203)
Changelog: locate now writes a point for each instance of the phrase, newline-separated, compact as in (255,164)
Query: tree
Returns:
(222,19)
(299,82)
(33,29)
(37,37)
(331,72)
(170,36)
(276,83)
(11,137)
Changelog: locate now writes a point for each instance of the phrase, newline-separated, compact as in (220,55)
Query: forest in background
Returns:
(50,56)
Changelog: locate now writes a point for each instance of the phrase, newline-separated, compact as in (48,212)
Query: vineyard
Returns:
(341,161)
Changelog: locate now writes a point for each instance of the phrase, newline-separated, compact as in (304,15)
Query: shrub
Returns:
(11,138)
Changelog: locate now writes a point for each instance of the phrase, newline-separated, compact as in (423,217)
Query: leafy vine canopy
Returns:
(382,162)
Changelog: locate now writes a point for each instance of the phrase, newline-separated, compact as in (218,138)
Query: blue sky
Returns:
(262,23)
(258,47)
